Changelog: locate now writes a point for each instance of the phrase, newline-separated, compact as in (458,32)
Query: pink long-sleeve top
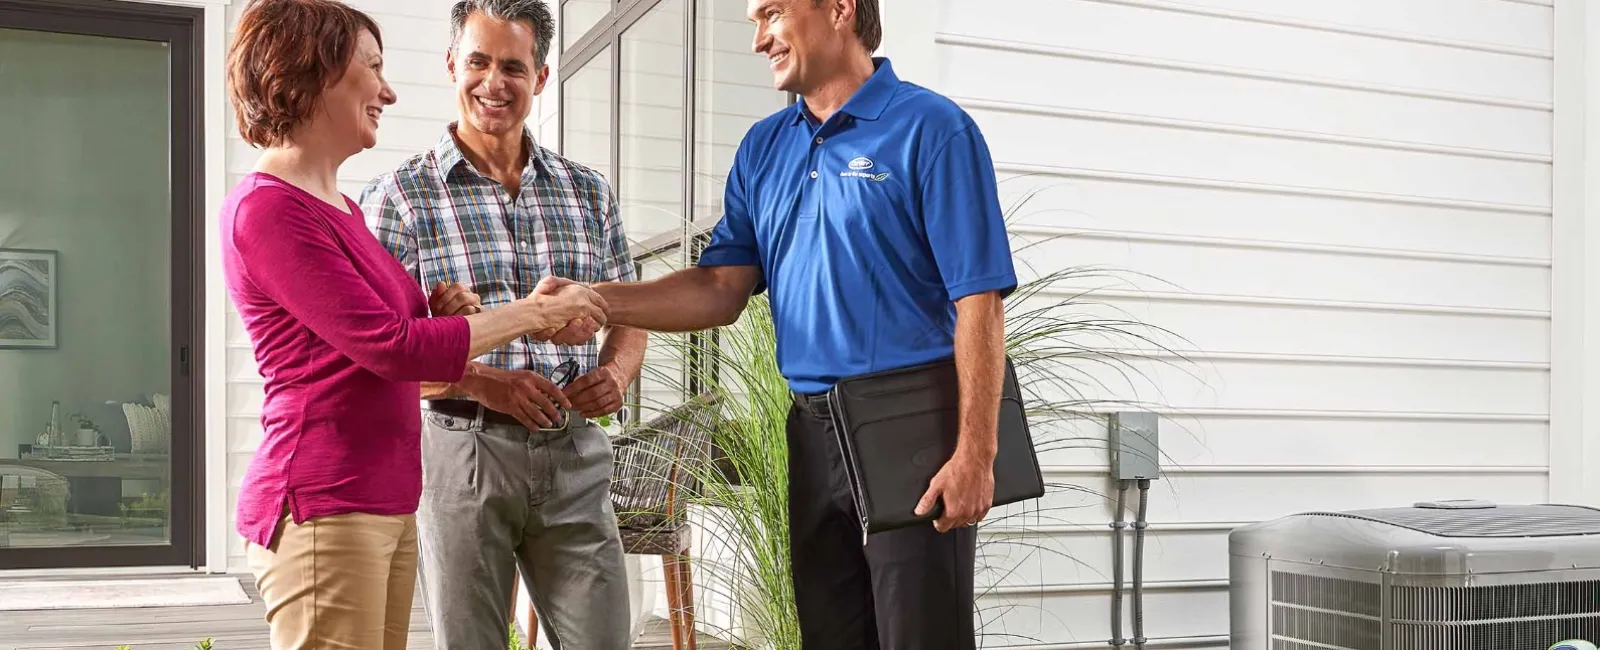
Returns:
(343,337)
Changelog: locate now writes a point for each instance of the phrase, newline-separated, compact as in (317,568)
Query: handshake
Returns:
(561,311)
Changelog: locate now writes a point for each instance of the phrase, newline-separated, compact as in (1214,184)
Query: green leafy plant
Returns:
(1076,357)
(204,644)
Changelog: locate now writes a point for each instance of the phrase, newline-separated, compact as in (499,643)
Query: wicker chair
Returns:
(31,499)
(653,468)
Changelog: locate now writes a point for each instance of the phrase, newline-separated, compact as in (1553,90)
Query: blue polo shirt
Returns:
(866,229)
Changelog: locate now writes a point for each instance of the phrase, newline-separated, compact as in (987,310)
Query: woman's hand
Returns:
(453,300)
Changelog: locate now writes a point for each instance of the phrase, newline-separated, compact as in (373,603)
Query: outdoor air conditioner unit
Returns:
(1447,575)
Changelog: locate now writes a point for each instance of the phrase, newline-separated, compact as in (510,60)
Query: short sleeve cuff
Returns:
(1004,283)
(728,257)
(734,257)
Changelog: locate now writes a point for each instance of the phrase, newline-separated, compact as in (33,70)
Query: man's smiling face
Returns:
(799,38)
(496,74)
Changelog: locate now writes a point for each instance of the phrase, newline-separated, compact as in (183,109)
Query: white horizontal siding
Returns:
(416,34)
(1345,210)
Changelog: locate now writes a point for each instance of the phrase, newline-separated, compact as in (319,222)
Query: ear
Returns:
(844,15)
(540,79)
(450,64)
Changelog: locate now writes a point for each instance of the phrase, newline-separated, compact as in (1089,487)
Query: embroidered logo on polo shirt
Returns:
(859,167)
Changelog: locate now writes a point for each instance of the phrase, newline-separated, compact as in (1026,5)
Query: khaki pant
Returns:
(343,582)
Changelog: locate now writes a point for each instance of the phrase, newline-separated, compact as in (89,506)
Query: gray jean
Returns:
(497,497)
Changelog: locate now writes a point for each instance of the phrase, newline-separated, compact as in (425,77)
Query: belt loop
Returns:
(477,420)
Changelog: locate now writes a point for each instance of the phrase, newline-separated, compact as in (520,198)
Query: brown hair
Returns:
(283,56)
(869,24)
(535,12)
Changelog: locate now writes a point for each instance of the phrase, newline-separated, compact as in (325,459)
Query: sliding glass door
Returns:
(100,260)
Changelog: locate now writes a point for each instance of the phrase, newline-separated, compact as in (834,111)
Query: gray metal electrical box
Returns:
(1135,449)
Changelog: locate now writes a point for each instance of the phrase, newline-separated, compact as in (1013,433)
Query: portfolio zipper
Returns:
(846,450)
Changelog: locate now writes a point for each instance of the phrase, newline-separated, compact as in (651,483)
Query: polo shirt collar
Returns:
(449,154)
(870,100)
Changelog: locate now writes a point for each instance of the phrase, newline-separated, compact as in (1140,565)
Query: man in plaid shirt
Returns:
(514,474)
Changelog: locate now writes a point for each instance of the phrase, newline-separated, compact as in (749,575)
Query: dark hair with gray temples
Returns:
(534,12)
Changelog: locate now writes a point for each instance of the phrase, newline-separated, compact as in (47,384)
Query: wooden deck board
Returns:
(230,627)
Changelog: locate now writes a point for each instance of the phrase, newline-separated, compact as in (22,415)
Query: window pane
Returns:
(85,376)
(586,114)
(662,384)
(733,90)
(653,131)
(578,17)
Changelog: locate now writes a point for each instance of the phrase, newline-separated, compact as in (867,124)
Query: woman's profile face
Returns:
(353,105)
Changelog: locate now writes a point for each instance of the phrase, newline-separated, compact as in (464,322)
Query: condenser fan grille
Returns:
(1326,612)
(1337,614)
(1498,521)
(1447,604)
(1330,594)
(1503,635)
(1280,644)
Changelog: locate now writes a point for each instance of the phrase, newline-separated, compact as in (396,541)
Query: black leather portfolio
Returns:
(897,428)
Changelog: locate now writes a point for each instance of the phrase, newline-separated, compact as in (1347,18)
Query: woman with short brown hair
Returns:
(342,334)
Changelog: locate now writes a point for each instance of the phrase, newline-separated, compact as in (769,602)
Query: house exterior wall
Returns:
(1346,210)
(1363,336)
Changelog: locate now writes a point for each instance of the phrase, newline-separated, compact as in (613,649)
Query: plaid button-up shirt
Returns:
(445,221)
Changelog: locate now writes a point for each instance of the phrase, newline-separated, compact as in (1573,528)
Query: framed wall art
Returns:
(29,310)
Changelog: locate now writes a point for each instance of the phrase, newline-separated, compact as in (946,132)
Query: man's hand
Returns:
(453,300)
(597,393)
(966,484)
(523,394)
(580,311)
(576,332)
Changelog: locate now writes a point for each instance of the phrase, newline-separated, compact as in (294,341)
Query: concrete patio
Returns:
(230,627)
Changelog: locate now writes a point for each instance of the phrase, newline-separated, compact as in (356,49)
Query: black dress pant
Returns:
(906,589)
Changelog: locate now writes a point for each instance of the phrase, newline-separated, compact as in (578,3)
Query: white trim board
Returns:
(1575,284)
(214,340)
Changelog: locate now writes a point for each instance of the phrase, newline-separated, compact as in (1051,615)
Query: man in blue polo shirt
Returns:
(869,213)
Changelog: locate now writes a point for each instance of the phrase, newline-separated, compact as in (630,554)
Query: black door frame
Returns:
(183,30)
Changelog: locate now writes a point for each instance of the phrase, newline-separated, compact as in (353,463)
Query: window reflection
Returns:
(578,17)
(662,383)
(586,114)
(85,399)
(653,129)
(733,90)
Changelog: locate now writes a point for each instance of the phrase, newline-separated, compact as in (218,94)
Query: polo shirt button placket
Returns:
(815,141)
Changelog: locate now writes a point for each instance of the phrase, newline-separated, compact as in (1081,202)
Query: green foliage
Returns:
(515,642)
(745,523)
(204,644)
